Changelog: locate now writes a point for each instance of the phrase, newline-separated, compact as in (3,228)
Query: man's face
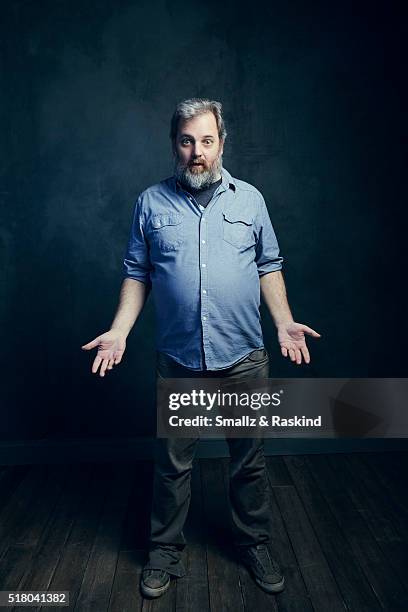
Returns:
(198,152)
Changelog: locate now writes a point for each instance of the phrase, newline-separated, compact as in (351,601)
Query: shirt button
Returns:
(204,291)
(203,265)
(203,241)
(204,318)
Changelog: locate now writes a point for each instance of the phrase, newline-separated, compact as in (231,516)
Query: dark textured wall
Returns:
(312,101)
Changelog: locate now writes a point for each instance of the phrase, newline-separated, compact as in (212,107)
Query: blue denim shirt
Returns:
(204,267)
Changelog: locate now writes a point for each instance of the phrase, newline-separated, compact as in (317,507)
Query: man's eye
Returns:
(185,141)
(208,142)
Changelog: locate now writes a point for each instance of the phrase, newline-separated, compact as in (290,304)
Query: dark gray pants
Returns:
(248,487)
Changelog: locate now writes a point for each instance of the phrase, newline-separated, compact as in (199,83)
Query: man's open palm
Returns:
(111,346)
(292,341)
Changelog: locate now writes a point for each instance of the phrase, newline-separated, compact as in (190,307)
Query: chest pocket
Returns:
(166,231)
(238,229)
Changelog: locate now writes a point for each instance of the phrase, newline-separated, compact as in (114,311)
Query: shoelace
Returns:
(262,558)
(152,571)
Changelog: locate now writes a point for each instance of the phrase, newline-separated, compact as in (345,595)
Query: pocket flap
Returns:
(159,221)
(238,216)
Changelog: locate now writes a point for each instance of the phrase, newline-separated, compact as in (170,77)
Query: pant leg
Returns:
(248,483)
(171,491)
(170,503)
(248,491)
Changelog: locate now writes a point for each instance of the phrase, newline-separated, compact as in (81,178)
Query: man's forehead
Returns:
(202,123)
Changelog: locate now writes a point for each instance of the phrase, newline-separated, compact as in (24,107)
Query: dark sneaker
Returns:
(154,582)
(265,570)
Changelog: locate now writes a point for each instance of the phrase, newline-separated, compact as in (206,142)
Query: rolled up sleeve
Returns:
(137,264)
(267,249)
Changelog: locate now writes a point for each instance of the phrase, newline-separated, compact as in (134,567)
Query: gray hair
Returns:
(192,108)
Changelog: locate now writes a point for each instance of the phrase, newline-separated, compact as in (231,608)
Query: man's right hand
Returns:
(111,346)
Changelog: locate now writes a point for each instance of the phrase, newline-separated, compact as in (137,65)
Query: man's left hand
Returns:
(291,338)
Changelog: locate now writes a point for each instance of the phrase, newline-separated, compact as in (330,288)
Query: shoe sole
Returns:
(152,593)
(277,587)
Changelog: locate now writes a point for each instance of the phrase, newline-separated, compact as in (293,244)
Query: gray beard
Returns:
(201,180)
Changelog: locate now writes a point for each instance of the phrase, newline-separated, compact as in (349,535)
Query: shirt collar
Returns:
(227,180)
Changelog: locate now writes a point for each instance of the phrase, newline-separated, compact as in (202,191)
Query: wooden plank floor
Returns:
(339,530)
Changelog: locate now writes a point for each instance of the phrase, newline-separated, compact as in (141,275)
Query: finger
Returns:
(284,351)
(96,364)
(292,354)
(103,367)
(118,359)
(91,344)
(298,357)
(110,364)
(311,331)
(306,354)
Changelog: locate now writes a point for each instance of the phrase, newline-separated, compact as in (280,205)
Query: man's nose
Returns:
(197,150)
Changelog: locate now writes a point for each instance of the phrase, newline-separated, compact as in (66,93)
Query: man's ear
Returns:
(221,147)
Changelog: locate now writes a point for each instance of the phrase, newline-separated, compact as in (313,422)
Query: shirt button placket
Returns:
(204,286)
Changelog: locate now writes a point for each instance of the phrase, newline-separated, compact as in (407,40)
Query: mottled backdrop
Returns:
(312,94)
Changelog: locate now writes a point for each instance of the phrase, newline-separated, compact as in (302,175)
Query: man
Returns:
(203,242)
